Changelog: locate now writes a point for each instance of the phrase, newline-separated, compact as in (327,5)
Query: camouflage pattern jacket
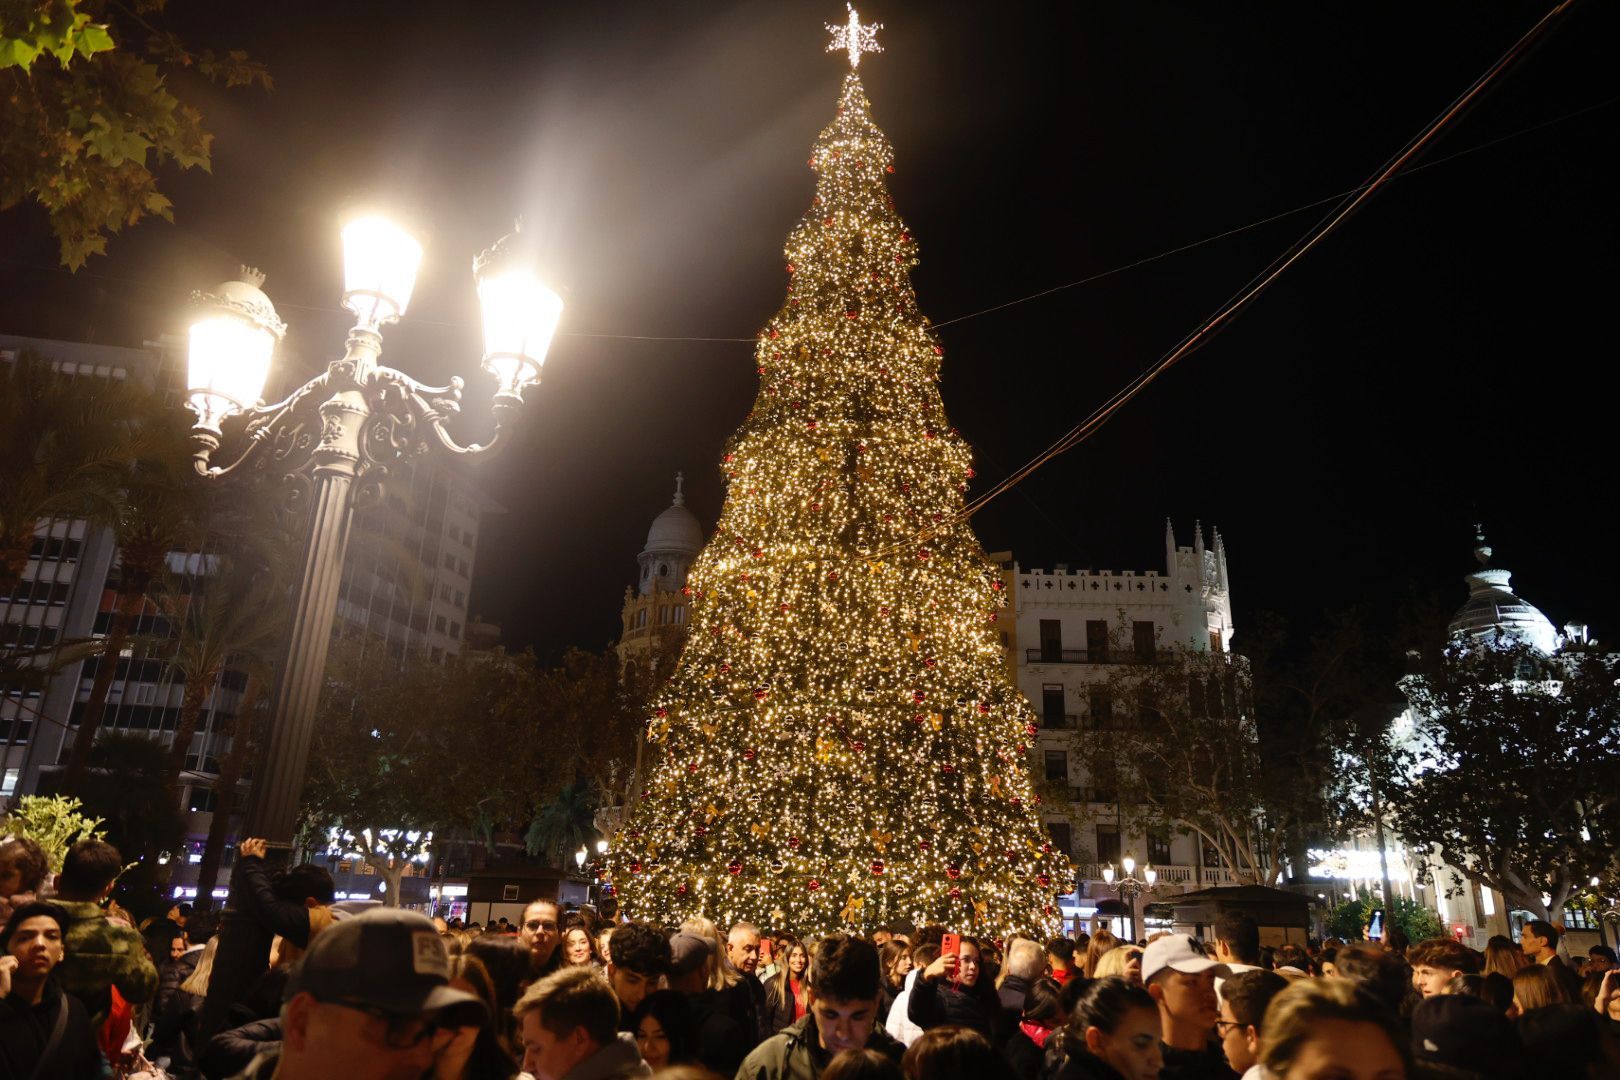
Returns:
(100,953)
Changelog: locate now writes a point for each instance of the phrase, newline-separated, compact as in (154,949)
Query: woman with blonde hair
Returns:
(1503,957)
(722,975)
(1123,961)
(1331,1027)
(1536,987)
(1101,943)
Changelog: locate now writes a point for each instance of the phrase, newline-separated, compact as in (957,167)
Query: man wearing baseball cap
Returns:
(1182,980)
(722,1039)
(370,1001)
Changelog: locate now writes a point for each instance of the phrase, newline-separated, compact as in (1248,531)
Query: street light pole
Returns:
(1131,887)
(334,440)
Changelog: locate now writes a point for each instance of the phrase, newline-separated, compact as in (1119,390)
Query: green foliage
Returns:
(1349,920)
(56,28)
(89,111)
(54,822)
(1515,781)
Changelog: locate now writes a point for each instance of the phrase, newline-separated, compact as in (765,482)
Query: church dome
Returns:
(1493,609)
(676,531)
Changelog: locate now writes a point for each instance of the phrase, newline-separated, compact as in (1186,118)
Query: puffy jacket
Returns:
(25,1029)
(935,1003)
(796,1054)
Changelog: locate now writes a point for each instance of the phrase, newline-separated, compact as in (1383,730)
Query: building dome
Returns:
(1492,609)
(676,531)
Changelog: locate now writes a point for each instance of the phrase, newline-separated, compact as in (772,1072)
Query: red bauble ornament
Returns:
(700,830)
(785,608)
(725,669)
(813,885)
(793,842)
(734,867)
(857,746)
(811,424)
(1032,730)
(939,350)
(918,696)
(924,845)
(1016,801)
(635,868)
(832,575)
(748,754)
(775,333)
(680,890)
(922,553)
(759,553)
(759,693)
(956,893)
(790,268)
(930,662)
(877,867)
(691,766)
(1043,880)
(686,590)
(984,708)
(889,169)
(660,712)
(947,768)
(953,872)
(904,237)
(1046,849)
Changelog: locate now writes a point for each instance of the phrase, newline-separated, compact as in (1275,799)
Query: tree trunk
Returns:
(230,772)
(127,607)
(392,870)
(191,706)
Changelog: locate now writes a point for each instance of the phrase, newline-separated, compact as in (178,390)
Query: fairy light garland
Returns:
(840,744)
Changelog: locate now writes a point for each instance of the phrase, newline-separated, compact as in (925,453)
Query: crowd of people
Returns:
(287,984)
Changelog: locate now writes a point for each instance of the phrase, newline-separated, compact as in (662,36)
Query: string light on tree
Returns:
(854,37)
(840,744)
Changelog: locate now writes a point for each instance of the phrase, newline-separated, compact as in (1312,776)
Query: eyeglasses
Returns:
(403,1031)
(536,924)
(1222,1025)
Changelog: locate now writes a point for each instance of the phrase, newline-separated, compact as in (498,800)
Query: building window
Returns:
(449,561)
(1215,641)
(1062,836)
(1158,846)
(641,618)
(439,624)
(663,569)
(1052,641)
(1057,765)
(9,786)
(663,614)
(1052,705)
(1102,709)
(461,598)
(455,630)
(680,614)
(1097,641)
(1143,638)
(1108,843)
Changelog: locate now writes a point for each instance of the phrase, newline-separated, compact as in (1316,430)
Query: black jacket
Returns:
(252,919)
(758,1010)
(1085,1066)
(722,1042)
(1022,1056)
(25,1030)
(779,1004)
(174,1034)
(229,1052)
(171,973)
(935,1003)
(1206,1064)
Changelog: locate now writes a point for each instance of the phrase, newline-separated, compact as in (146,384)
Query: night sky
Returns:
(1445,357)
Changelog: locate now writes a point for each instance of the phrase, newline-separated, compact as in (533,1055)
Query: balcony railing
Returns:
(1168,874)
(1088,656)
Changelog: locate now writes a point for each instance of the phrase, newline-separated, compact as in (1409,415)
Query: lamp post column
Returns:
(273,813)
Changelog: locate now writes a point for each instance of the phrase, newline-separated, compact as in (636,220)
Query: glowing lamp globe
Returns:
(520,318)
(1129,864)
(1108,873)
(579,858)
(380,261)
(1151,874)
(231,343)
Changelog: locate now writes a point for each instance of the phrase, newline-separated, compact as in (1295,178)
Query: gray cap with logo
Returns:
(387,959)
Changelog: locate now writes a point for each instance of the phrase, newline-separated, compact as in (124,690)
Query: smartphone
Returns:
(765,950)
(1375,925)
(951,945)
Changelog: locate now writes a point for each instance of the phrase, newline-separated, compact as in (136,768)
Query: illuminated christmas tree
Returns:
(841,743)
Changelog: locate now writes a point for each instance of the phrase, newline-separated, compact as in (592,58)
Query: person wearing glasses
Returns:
(371,1001)
(541,931)
(1244,999)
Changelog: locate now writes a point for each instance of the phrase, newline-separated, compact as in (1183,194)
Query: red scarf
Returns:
(795,988)
(1037,1034)
(1061,975)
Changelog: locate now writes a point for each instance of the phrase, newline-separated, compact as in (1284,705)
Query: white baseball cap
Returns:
(1176,952)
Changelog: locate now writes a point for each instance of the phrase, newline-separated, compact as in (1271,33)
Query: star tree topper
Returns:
(854,36)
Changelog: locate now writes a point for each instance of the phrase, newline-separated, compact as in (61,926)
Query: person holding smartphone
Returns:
(949,990)
(1607,1002)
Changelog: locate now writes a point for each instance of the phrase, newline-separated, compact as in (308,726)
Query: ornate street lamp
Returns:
(1131,887)
(334,439)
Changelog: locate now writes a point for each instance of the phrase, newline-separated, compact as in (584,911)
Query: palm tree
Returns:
(565,823)
(63,440)
(229,615)
(244,737)
(160,507)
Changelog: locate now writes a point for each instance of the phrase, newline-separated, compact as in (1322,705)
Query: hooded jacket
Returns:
(795,1053)
(616,1060)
